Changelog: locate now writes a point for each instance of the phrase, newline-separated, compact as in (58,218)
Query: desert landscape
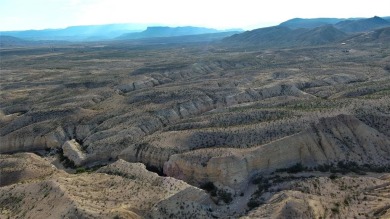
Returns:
(290,121)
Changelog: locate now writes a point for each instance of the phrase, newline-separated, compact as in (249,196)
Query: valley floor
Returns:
(197,130)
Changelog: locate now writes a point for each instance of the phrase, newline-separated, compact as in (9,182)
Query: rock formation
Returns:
(32,187)
(72,150)
(340,138)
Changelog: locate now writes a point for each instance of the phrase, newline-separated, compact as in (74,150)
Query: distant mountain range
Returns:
(347,25)
(294,32)
(10,41)
(362,25)
(152,32)
(77,33)
(306,32)
(196,38)
(297,23)
(114,32)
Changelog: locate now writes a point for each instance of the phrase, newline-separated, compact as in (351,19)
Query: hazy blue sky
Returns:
(247,14)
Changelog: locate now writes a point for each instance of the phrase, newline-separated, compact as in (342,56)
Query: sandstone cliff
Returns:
(72,150)
(340,138)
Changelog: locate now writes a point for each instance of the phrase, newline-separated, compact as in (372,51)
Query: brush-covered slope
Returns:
(381,35)
(263,36)
(297,23)
(319,36)
(281,36)
(120,189)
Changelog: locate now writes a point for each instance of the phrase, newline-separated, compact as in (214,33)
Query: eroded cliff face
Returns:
(321,197)
(52,128)
(333,139)
(39,136)
(202,113)
(73,151)
(120,189)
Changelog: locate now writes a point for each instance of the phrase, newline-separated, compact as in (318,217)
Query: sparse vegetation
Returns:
(253,204)
(296,168)
(220,194)
(81,170)
(198,112)
(225,196)
(64,160)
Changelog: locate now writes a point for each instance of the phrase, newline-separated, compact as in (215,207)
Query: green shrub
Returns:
(333,176)
(208,186)
(81,170)
(253,204)
(296,168)
(225,196)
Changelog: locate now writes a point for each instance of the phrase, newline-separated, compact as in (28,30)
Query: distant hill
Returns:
(351,25)
(362,25)
(77,33)
(320,35)
(279,36)
(114,32)
(267,35)
(381,35)
(11,41)
(296,23)
(152,32)
(207,37)
(316,31)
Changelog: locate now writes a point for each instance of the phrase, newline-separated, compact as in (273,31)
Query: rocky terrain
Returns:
(335,139)
(210,130)
(121,189)
(323,197)
(33,188)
